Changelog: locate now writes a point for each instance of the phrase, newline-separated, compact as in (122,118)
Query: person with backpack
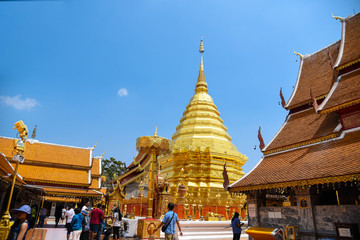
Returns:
(167,225)
(76,225)
(236,226)
(85,234)
(116,223)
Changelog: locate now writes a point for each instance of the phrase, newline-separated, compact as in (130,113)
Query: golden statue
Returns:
(125,210)
(132,215)
(186,207)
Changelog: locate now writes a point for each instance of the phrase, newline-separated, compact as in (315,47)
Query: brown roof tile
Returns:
(135,171)
(71,192)
(95,169)
(351,50)
(316,71)
(50,153)
(35,173)
(304,126)
(332,158)
(346,91)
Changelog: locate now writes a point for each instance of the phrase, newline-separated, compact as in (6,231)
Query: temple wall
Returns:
(279,216)
(327,216)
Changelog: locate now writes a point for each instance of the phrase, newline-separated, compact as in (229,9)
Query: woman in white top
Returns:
(116,223)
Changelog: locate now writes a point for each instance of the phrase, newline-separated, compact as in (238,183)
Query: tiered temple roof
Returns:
(315,71)
(70,170)
(350,43)
(321,144)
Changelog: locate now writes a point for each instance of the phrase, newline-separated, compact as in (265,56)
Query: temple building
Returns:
(62,173)
(200,148)
(309,173)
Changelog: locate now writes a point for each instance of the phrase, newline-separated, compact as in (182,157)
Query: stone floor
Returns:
(59,233)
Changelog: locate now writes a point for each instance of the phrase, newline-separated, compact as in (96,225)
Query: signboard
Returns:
(252,210)
(344,232)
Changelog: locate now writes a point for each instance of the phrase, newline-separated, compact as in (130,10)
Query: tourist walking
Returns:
(85,234)
(102,222)
(43,213)
(58,213)
(116,223)
(21,226)
(63,211)
(86,206)
(168,222)
(76,225)
(96,216)
(236,226)
(69,216)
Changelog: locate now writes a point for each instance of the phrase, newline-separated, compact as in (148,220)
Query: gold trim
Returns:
(334,179)
(348,64)
(306,102)
(137,166)
(51,164)
(341,106)
(51,193)
(316,140)
(55,182)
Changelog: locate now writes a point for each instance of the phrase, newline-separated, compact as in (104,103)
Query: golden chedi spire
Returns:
(201,84)
(201,125)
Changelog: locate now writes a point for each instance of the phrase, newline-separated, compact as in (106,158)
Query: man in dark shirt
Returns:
(236,226)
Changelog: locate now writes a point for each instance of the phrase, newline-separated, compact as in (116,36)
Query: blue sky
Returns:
(62,64)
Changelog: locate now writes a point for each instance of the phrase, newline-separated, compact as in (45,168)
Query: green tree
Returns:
(112,166)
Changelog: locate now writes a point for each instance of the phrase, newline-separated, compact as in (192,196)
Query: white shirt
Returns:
(70,214)
(85,208)
(117,220)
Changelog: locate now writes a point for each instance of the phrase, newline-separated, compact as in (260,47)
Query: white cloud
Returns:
(122,92)
(19,103)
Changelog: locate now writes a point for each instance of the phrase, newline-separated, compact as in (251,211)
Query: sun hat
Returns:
(24,208)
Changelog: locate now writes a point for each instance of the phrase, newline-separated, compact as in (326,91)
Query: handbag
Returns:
(163,228)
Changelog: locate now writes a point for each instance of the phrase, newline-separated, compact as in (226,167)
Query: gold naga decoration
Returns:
(338,18)
(299,54)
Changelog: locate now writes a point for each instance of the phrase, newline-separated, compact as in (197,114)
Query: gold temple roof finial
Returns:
(102,155)
(201,85)
(298,54)
(201,50)
(94,146)
(155,133)
(338,18)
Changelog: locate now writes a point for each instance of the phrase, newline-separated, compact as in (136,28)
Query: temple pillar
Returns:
(254,203)
(162,200)
(3,192)
(150,201)
(306,213)
(53,208)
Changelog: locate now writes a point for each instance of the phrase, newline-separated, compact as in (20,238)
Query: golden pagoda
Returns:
(200,148)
